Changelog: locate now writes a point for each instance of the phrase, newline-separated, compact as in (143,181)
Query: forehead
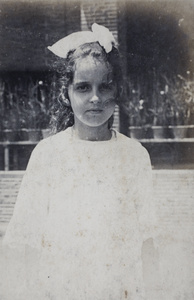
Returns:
(90,69)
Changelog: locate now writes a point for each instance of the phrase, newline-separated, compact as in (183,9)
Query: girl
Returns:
(84,207)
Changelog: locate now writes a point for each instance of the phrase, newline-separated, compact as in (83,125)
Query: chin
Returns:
(96,124)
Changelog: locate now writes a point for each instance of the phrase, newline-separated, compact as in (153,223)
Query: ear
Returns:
(64,100)
(67,98)
(67,102)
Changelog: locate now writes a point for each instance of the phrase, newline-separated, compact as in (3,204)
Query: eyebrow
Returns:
(88,82)
(81,82)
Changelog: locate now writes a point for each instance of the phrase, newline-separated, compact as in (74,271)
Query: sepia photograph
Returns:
(97,149)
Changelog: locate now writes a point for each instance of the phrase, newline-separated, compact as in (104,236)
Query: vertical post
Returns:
(15,158)
(6,157)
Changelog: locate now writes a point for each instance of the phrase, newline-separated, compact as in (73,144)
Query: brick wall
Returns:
(28,27)
(9,186)
(174,194)
(101,12)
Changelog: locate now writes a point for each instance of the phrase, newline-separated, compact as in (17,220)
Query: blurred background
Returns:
(156,41)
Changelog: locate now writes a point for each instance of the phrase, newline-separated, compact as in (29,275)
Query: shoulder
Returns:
(54,141)
(131,146)
(51,146)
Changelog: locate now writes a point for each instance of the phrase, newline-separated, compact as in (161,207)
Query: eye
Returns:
(83,87)
(107,86)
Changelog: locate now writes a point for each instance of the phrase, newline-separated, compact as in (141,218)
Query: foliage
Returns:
(162,102)
(134,105)
(173,104)
(24,104)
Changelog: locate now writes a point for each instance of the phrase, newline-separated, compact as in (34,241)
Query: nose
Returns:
(95,98)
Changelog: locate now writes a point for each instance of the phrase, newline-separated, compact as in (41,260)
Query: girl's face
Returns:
(92,93)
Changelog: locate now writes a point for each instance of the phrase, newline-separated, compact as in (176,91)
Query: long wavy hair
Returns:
(62,115)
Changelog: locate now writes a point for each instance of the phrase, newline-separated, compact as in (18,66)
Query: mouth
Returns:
(94,111)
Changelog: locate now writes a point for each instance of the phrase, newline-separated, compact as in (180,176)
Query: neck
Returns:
(101,133)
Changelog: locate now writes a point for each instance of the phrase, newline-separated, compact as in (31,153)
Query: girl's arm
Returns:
(22,241)
(145,202)
(148,222)
(32,201)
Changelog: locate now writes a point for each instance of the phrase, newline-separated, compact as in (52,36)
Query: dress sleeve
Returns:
(145,204)
(21,245)
(32,202)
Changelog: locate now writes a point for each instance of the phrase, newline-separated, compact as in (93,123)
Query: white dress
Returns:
(82,213)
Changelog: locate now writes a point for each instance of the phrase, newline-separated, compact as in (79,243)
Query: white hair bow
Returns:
(99,34)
